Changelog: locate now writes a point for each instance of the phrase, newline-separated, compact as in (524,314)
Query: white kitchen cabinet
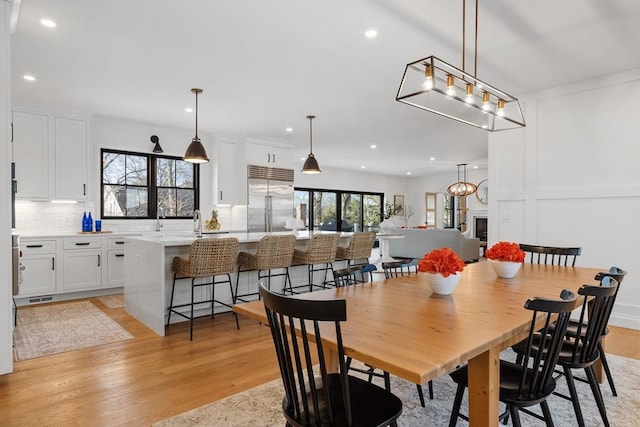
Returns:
(262,153)
(70,179)
(31,155)
(113,274)
(227,183)
(38,267)
(81,264)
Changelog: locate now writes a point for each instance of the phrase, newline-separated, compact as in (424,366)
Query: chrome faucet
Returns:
(197,223)
(159,217)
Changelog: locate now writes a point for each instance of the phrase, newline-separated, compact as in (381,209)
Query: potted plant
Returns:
(505,258)
(389,211)
(443,268)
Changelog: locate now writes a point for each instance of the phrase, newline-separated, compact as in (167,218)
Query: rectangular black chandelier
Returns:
(436,86)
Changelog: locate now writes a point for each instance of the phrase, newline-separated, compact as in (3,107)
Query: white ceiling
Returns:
(266,65)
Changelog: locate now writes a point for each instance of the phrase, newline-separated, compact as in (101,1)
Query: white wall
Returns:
(572,178)
(6,311)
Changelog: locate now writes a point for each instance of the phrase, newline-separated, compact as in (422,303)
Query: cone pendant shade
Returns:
(311,164)
(195,151)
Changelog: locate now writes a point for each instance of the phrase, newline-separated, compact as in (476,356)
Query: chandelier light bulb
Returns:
(500,109)
(486,104)
(469,98)
(451,89)
(428,78)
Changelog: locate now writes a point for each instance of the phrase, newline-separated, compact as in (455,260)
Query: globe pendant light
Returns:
(311,164)
(462,188)
(195,151)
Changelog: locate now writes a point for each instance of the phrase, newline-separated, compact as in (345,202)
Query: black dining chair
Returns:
(320,398)
(397,267)
(618,275)
(531,381)
(353,274)
(580,350)
(554,255)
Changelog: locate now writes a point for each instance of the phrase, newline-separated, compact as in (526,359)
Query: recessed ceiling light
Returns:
(303,158)
(408,173)
(362,167)
(289,129)
(432,158)
(189,110)
(475,166)
(370,34)
(29,78)
(48,23)
(373,146)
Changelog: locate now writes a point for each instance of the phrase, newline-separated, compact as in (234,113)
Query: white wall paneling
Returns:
(571,178)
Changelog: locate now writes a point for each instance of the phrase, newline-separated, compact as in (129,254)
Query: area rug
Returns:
(112,301)
(261,406)
(56,328)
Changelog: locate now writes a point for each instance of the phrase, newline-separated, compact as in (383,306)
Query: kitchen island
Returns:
(148,275)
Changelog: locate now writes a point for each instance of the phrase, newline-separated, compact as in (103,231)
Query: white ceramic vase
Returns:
(505,269)
(443,285)
(387,226)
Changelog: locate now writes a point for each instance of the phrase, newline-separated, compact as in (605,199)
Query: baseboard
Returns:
(625,316)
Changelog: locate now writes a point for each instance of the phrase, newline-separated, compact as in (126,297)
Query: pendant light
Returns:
(195,151)
(157,148)
(311,164)
(462,188)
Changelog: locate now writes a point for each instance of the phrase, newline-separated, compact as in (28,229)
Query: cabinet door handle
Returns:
(119,242)
(220,194)
(84,189)
(98,260)
(83,244)
(268,157)
(119,255)
(53,263)
(34,246)
(274,157)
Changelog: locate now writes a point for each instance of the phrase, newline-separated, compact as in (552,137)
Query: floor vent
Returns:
(35,300)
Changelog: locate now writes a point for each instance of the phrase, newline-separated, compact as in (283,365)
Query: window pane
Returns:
(113,166)
(372,205)
(167,199)
(184,174)
(185,202)
(165,173)
(137,202)
(114,200)
(301,203)
(351,213)
(324,210)
(136,170)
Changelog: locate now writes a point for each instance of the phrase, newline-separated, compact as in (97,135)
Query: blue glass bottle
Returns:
(89,223)
(84,221)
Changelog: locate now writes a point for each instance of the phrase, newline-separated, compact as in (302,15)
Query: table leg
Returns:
(484,388)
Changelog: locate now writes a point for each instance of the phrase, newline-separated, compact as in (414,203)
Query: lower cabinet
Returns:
(81,270)
(115,269)
(38,268)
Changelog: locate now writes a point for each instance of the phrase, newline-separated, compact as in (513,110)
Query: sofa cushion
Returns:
(418,242)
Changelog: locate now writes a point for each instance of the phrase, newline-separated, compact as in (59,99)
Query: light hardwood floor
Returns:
(141,381)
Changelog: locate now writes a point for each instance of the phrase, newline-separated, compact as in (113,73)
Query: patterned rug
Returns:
(112,301)
(56,328)
(261,406)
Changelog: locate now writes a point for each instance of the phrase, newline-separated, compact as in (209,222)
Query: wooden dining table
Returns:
(400,326)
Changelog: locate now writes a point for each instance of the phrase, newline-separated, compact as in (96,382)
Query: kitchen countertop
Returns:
(186,238)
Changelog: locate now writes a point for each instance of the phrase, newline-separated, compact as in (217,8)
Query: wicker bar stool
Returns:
(209,257)
(274,252)
(321,252)
(359,248)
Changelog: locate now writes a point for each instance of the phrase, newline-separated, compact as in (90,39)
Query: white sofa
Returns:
(417,242)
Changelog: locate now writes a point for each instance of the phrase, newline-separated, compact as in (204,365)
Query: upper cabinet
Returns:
(50,153)
(70,159)
(228,174)
(30,134)
(262,153)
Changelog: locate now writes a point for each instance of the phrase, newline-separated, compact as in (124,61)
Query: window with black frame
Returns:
(140,185)
(338,210)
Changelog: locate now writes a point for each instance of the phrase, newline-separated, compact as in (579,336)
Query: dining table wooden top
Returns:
(400,326)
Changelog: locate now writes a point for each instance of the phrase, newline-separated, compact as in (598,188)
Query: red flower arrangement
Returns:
(443,261)
(506,251)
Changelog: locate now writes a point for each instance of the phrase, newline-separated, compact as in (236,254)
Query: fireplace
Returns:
(480,228)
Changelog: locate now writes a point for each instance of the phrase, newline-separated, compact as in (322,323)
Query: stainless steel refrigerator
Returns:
(270,198)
